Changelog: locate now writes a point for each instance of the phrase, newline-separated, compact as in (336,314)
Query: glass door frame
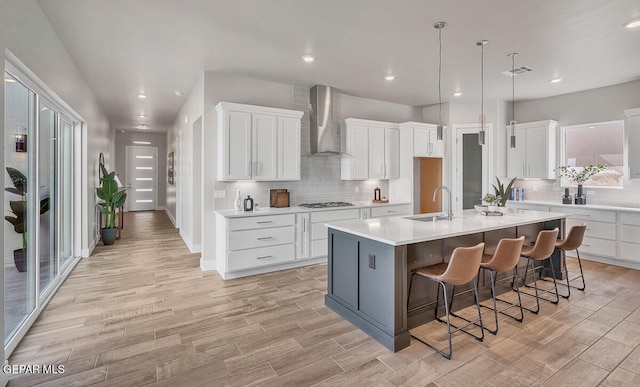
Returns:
(487,162)
(63,112)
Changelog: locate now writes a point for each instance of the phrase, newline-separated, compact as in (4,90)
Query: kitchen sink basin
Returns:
(432,218)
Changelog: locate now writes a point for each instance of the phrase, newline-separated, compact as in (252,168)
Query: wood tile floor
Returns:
(141,312)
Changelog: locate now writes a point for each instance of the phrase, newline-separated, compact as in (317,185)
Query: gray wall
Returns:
(158,140)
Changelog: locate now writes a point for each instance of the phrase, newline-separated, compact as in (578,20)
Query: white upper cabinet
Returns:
(425,139)
(258,143)
(355,166)
(535,153)
(632,133)
(372,148)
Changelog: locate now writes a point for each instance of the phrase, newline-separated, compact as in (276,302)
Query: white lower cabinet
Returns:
(252,258)
(600,235)
(319,230)
(628,241)
(393,210)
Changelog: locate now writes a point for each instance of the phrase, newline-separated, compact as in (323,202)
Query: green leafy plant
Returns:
(502,192)
(19,207)
(492,199)
(113,196)
(581,174)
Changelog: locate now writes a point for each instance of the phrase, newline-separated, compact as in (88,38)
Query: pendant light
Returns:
(483,118)
(440,128)
(513,122)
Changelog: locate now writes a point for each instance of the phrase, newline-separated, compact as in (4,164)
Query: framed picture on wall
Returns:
(170,168)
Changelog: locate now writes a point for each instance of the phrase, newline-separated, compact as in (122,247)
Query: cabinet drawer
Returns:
(629,218)
(630,234)
(596,246)
(585,214)
(319,248)
(250,258)
(318,231)
(594,229)
(403,209)
(328,216)
(256,222)
(531,207)
(248,239)
(629,251)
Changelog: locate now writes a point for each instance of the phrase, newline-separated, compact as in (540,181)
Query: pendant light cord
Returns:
(482,81)
(440,76)
(513,86)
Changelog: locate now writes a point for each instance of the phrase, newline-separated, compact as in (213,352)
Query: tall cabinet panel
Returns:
(376,153)
(237,145)
(373,149)
(355,165)
(632,134)
(288,148)
(263,143)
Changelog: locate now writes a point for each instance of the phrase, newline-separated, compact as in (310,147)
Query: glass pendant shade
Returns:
(513,133)
(483,118)
(439,132)
(513,122)
(482,134)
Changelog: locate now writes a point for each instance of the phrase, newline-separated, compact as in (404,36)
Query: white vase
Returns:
(238,203)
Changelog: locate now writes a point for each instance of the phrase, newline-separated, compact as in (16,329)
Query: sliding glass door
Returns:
(38,232)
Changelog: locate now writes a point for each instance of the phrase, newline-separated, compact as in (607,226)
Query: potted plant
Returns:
(19,211)
(492,201)
(501,192)
(114,198)
(580,175)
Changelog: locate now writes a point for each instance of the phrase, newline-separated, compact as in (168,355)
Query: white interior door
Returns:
(142,178)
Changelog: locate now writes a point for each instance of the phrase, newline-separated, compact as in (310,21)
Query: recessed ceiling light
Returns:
(389,77)
(122,131)
(633,24)
(457,94)
(308,58)
(142,95)
(178,93)
(142,115)
(555,80)
(143,126)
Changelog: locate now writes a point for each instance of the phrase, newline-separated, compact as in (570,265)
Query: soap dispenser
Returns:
(248,204)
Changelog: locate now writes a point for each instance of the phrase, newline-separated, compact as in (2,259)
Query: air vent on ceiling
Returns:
(517,71)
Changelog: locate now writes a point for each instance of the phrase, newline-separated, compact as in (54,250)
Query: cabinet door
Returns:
(437,146)
(632,127)
(264,134)
(391,153)
(421,145)
(356,165)
(288,148)
(515,156)
(237,142)
(303,236)
(376,152)
(536,150)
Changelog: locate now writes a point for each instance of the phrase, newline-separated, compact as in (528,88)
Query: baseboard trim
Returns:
(173,220)
(269,269)
(85,253)
(609,261)
(207,265)
(192,247)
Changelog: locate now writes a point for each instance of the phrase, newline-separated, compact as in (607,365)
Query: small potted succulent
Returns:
(492,201)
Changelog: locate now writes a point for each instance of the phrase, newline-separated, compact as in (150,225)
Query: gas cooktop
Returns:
(326,204)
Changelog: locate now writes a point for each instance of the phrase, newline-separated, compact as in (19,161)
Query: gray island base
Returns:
(370,263)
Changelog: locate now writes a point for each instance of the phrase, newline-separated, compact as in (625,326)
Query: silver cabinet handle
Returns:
(249,168)
(264,257)
(584,244)
(304,224)
(264,238)
(522,169)
(390,211)
(264,222)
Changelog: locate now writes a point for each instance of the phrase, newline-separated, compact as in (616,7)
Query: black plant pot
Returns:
(109,235)
(20,259)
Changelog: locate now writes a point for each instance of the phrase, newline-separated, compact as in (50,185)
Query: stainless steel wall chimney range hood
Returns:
(325,133)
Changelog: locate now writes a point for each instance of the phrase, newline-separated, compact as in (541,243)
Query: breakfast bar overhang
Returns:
(370,262)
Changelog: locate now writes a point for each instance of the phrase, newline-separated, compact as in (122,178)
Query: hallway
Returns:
(141,312)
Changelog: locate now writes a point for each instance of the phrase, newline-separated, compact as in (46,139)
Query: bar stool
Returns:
(504,259)
(541,251)
(572,242)
(462,268)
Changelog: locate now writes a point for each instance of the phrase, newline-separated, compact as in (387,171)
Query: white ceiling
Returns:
(158,46)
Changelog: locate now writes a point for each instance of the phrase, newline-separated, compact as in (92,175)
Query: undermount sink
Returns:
(432,218)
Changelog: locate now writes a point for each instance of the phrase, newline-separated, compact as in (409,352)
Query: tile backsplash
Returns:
(320,175)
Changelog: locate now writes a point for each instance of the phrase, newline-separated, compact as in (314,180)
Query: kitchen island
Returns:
(370,262)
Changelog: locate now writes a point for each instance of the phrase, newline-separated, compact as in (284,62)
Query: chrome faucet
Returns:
(449,212)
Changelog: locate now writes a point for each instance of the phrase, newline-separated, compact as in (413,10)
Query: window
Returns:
(595,143)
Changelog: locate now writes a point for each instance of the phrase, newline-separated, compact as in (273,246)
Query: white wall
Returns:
(157,140)
(597,105)
(25,32)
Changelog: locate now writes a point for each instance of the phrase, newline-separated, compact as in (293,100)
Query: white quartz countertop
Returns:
(262,211)
(576,206)
(402,230)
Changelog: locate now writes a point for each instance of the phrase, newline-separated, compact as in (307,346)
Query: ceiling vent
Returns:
(517,71)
